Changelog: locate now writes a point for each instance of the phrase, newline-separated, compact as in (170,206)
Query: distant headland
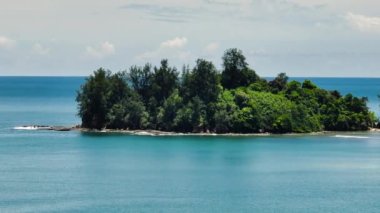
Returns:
(204,100)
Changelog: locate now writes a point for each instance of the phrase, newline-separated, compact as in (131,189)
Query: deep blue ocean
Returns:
(42,171)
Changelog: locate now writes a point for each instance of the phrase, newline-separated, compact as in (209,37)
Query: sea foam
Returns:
(351,136)
(32,127)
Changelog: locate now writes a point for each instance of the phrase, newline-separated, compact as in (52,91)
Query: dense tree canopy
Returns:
(202,99)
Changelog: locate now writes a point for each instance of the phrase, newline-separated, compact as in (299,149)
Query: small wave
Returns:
(351,136)
(25,128)
(144,133)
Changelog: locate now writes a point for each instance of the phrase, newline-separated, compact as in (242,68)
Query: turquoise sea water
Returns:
(74,172)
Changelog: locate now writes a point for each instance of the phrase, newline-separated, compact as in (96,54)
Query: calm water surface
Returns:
(74,172)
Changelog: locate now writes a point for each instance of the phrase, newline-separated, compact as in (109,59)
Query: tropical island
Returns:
(204,100)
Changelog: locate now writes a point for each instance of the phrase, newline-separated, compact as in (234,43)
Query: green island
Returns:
(205,100)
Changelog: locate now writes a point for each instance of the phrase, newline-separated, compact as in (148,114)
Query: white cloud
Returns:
(177,42)
(363,23)
(6,43)
(103,50)
(211,48)
(41,50)
(171,49)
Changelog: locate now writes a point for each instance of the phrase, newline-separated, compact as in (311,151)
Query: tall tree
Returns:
(279,83)
(141,79)
(93,100)
(164,81)
(236,72)
(204,81)
(185,84)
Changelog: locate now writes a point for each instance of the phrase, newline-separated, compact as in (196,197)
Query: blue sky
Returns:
(299,37)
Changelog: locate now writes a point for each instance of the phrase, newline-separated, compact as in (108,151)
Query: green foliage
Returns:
(244,110)
(168,112)
(307,84)
(261,86)
(183,120)
(225,109)
(203,100)
(128,114)
(347,113)
(198,117)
